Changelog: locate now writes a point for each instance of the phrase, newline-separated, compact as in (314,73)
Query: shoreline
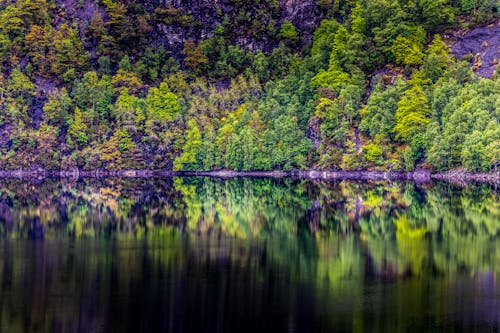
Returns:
(420,176)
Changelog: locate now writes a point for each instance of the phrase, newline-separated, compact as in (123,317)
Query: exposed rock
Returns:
(313,131)
(197,19)
(482,44)
(421,175)
(418,176)
(462,176)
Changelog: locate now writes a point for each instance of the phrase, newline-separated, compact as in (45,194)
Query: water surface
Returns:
(248,255)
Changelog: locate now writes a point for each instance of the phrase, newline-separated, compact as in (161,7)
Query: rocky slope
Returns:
(174,21)
(481,45)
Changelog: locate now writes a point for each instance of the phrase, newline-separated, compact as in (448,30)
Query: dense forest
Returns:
(245,85)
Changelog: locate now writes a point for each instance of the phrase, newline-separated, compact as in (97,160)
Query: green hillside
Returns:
(247,85)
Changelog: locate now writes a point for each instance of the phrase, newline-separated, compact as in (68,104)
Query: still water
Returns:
(248,255)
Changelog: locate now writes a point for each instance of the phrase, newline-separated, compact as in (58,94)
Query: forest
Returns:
(367,85)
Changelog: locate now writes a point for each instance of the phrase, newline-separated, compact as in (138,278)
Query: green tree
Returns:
(57,108)
(378,117)
(480,10)
(189,160)
(234,153)
(436,59)
(474,152)
(69,51)
(323,42)
(358,22)
(77,136)
(162,104)
(260,66)
(195,59)
(94,96)
(288,34)
(20,86)
(412,115)
(373,153)
(291,144)
(407,51)
(130,111)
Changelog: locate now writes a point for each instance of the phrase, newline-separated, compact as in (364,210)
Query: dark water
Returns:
(243,255)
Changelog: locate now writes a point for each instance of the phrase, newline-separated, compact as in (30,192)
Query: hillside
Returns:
(249,85)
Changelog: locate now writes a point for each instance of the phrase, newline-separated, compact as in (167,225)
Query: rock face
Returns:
(259,21)
(482,45)
(256,23)
(305,15)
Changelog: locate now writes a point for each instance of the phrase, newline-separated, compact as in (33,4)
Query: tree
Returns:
(209,150)
(407,51)
(439,154)
(77,136)
(469,120)
(189,160)
(131,155)
(442,94)
(152,62)
(343,52)
(38,42)
(373,153)
(323,42)
(288,34)
(94,96)
(412,115)
(128,81)
(234,153)
(195,59)
(69,51)
(250,147)
(378,117)
(474,152)
(334,125)
(358,22)
(104,65)
(436,59)
(57,108)
(291,144)
(130,111)
(162,104)
(480,10)
(110,154)
(20,86)
(260,66)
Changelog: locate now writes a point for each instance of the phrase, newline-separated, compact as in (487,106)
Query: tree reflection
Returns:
(250,247)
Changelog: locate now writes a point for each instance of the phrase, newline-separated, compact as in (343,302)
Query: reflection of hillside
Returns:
(167,273)
(278,233)
(246,208)
(397,222)
(243,207)
(89,208)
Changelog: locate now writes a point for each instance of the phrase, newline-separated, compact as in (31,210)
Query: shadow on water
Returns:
(202,254)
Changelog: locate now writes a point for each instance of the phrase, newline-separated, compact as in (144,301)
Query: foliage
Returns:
(190,158)
(376,87)
(412,115)
(162,104)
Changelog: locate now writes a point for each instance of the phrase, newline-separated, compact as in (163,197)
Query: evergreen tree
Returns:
(189,160)
(77,136)
(412,115)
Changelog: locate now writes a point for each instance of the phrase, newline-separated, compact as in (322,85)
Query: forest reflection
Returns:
(246,208)
(148,255)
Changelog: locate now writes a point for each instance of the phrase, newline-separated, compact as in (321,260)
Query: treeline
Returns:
(377,88)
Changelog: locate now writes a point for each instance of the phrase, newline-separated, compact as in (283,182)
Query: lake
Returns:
(248,255)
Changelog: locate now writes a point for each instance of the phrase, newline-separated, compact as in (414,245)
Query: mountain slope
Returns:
(261,85)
